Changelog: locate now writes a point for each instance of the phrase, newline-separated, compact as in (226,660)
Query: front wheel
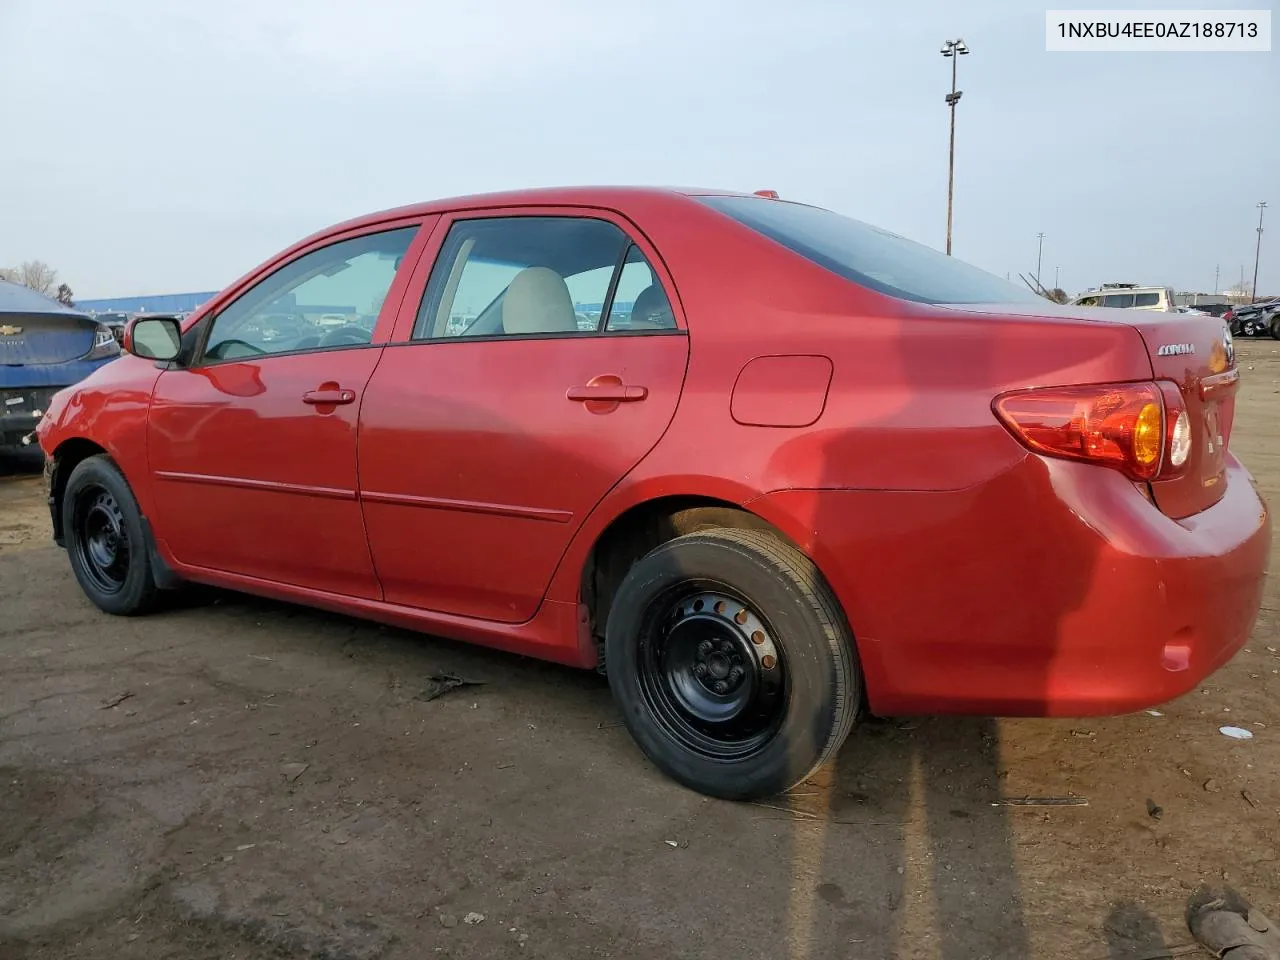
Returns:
(1275,327)
(732,663)
(102,528)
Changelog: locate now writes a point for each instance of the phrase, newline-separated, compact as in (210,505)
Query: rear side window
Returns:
(536,276)
(639,302)
(869,256)
(1118,300)
(1146,299)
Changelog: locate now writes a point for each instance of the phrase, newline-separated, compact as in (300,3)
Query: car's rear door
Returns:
(252,446)
(512,400)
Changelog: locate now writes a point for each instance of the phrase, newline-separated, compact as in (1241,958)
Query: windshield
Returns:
(869,256)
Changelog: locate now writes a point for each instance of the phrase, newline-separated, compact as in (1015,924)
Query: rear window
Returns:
(869,256)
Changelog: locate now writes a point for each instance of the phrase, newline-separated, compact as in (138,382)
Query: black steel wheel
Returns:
(732,663)
(102,541)
(102,529)
(711,673)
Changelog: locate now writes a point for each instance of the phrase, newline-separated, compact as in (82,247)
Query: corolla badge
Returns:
(1175,349)
(9,330)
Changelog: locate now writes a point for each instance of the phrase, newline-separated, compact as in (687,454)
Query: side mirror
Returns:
(153,338)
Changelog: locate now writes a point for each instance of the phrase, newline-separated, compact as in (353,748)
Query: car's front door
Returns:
(545,360)
(252,446)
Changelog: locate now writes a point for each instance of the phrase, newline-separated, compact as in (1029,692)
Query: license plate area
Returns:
(24,403)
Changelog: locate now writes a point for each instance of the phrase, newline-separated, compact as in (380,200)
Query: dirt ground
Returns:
(236,779)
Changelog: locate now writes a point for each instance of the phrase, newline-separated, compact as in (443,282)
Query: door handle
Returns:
(328,397)
(608,392)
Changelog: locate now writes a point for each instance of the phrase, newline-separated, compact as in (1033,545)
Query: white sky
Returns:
(156,146)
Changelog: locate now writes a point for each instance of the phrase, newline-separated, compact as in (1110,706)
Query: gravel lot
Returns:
(235,778)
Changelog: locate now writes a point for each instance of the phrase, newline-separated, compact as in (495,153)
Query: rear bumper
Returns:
(1055,589)
(21,409)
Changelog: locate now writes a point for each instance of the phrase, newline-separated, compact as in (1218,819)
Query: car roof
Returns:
(609,197)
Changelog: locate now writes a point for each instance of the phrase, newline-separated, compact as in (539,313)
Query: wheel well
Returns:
(66,458)
(637,531)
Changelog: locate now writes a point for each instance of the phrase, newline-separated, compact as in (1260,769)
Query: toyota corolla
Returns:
(765,466)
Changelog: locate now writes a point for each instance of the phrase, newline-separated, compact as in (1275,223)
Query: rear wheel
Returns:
(102,528)
(731,662)
(1275,326)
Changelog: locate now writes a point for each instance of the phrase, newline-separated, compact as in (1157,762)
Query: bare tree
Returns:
(36,274)
(39,276)
(65,296)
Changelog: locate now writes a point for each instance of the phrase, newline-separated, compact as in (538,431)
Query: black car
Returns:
(1255,319)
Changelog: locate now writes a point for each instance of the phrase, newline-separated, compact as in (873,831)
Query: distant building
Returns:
(158,303)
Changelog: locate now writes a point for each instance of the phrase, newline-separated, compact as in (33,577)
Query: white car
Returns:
(1128,296)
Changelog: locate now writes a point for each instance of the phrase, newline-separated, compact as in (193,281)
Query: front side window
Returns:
(327,298)
(869,256)
(537,276)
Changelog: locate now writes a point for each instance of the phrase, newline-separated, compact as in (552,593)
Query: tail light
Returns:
(1141,429)
(105,344)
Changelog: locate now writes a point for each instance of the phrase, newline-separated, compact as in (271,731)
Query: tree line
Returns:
(40,277)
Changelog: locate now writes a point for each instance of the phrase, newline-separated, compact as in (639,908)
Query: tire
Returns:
(704,605)
(1275,326)
(102,528)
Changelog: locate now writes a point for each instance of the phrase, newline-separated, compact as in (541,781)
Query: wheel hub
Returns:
(103,546)
(716,671)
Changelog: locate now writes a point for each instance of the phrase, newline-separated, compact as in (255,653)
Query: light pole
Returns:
(1039,257)
(1056,285)
(953,49)
(1262,207)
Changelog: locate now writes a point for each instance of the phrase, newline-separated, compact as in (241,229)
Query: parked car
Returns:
(1258,319)
(44,346)
(1129,296)
(820,470)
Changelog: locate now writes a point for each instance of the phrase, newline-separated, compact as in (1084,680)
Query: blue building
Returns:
(159,303)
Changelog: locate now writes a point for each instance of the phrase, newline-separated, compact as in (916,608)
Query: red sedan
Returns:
(772,466)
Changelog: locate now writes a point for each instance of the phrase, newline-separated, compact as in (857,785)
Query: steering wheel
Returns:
(345,335)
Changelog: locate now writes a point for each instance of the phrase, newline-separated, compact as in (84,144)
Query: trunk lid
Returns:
(1196,353)
(37,330)
(27,339)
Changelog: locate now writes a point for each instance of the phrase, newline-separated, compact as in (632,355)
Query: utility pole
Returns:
(1039,256)
(953,49)
(1262,208)
(1055,277)
(1216,268)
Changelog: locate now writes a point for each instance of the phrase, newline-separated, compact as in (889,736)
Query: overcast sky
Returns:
(158,146)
